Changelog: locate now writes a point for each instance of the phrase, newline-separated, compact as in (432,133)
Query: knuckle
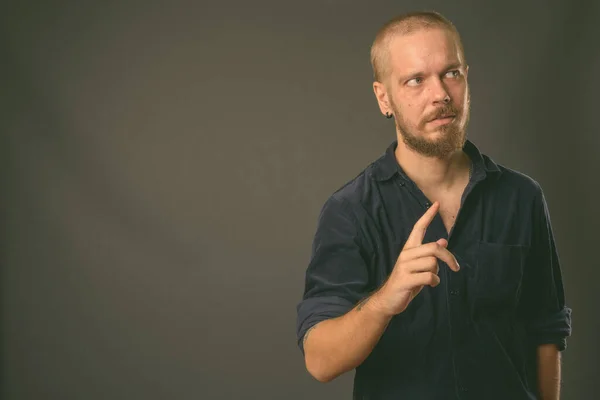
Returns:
(434,247)
(400,265)
(402,256)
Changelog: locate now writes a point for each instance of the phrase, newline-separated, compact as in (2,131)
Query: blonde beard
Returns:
(453,139)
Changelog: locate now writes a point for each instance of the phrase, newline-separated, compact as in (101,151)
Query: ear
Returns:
(381,95)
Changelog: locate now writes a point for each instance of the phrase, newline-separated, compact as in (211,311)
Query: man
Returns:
(434,272)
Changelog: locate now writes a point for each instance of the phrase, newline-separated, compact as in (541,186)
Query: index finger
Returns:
(418,232)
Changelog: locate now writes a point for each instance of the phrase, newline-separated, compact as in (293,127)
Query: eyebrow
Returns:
(413,75)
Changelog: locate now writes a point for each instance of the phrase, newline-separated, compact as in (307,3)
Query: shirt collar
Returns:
(387,165)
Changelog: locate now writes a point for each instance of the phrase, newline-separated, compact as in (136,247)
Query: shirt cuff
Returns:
(552,329)
(317,309)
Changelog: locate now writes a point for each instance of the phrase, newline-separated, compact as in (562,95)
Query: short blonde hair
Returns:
(403,25)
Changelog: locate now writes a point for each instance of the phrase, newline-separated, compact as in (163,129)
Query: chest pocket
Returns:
(498,276)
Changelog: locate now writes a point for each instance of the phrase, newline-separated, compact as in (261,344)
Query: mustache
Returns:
(442,112)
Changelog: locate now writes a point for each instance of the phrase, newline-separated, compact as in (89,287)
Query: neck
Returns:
(432,173)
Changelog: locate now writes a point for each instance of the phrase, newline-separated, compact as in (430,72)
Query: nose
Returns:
(439,92)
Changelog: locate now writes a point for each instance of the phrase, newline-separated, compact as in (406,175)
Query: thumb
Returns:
(442,242)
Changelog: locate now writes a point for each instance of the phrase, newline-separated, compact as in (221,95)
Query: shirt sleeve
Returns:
(548,319)
(337,276)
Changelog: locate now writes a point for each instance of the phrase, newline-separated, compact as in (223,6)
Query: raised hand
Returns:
(416,266)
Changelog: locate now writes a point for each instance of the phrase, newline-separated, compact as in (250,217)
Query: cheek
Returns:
(459,93)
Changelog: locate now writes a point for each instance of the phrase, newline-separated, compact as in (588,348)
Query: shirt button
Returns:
(464,389)
(427,204)
(455,292)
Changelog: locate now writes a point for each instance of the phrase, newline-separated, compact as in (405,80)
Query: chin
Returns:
(437,134)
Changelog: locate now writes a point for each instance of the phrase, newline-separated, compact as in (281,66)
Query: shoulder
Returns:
(516,182)
(348,204)
(356,193)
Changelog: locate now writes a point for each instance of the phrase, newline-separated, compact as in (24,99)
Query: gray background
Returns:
(164,164)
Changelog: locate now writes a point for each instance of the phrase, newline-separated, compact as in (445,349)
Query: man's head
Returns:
(420,75)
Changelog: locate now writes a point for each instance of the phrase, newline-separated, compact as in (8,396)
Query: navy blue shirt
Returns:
(475,335)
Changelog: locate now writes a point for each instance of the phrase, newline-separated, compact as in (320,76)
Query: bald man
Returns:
(434,273)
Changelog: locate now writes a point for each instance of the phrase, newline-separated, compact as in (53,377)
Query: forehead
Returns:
(423,50)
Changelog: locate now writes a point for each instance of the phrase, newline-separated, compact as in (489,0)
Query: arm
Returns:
(339,340)
(548,361)
(341,344)
(332,318)
(547,318)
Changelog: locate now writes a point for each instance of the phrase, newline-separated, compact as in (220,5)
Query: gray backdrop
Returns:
(164,165)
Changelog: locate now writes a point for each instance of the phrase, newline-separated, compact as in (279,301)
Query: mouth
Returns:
(443,119)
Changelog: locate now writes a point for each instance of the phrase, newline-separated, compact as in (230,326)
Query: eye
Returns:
(453,74)
(414,81)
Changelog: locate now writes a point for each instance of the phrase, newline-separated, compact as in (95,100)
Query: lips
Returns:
(443,119)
